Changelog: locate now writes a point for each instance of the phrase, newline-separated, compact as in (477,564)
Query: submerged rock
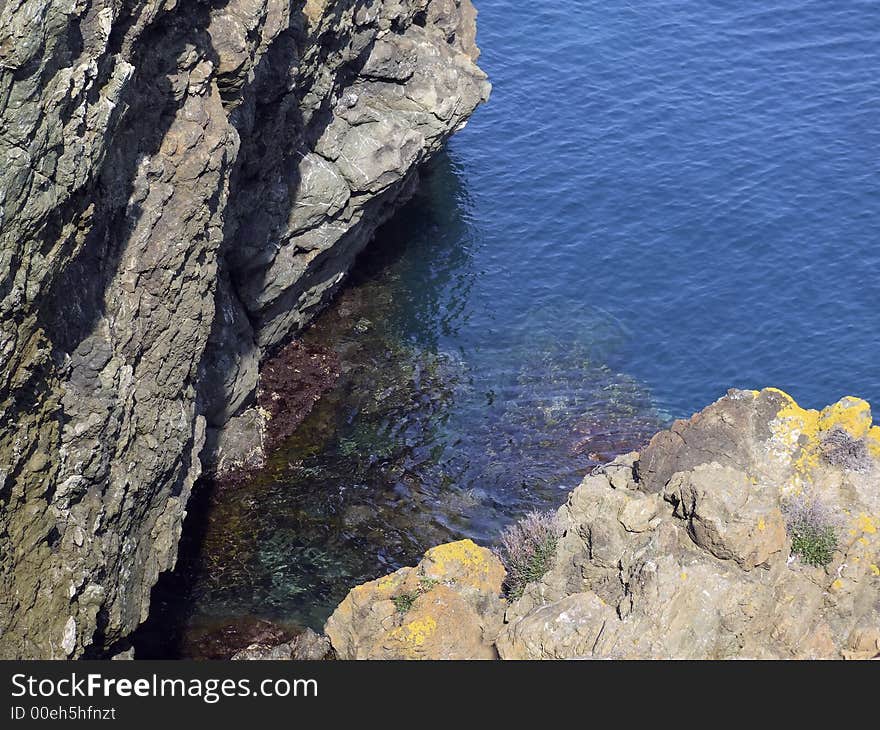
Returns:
(227,640)
(685,550)
(306,646)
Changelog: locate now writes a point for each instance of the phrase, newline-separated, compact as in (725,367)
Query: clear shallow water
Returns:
(661,201)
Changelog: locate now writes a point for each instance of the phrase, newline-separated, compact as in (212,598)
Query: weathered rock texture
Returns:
(445,608)
(184,184)
(682,551)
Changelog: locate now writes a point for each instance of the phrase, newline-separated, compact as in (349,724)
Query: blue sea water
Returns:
(661,200)
(696,182)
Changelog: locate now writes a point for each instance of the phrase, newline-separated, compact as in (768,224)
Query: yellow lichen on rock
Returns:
(851,414)
(798,432)
(384,586)
(466,564)
(796,427)
(867,524)
(873,441)
(386,582)
(416,632)
(452,610)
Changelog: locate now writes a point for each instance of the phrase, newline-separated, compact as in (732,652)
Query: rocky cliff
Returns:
(751,530)
(184,184)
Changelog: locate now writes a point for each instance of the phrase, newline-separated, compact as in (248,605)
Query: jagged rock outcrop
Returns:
(686,549)
(185,184)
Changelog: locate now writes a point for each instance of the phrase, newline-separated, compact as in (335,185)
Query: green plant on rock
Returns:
(812,528)
(527,550)
(404,602)
(814,547)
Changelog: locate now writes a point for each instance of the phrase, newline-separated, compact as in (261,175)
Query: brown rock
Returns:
(566,629)
(740,521)
(706,572)
(447,607)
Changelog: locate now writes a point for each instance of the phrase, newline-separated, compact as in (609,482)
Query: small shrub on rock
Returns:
(404,602)
(527,550)
(812,527)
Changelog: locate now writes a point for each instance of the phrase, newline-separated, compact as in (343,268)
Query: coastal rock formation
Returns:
(444,608)
(185,184)
(695,548)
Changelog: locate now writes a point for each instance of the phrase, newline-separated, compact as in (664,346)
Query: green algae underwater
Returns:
(423,438)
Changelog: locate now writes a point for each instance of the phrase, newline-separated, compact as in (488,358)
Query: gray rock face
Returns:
(185,184)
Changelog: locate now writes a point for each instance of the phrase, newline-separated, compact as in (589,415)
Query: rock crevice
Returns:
(185,185)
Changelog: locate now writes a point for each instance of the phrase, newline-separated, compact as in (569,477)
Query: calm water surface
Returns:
(661,200)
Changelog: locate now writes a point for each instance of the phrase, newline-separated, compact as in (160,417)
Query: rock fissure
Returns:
(166,223)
